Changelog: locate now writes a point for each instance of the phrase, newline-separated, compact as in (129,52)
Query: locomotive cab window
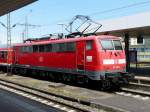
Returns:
(117,45)
(5,54)
(89,44)
(107,44)
(111,45)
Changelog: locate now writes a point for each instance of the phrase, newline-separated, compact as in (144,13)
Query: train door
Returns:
(80,55)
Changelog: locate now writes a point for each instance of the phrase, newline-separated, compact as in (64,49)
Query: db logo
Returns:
(40,59)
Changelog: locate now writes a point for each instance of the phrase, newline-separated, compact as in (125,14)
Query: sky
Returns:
(49,13)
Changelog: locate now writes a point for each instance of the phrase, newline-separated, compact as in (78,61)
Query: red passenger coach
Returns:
(3,56)
(6,58)
(91,58)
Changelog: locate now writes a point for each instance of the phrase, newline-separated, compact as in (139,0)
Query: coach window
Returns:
(2,54)
(89,44)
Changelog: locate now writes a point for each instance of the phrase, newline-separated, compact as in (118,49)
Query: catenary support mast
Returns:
(9,68)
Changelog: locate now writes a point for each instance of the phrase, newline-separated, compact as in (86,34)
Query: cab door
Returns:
(80,55)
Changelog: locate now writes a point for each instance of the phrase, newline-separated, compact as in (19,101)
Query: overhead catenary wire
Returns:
(119,8)
(101,12)
(109,10)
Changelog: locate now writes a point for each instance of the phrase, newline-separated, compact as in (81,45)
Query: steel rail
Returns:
(138,89)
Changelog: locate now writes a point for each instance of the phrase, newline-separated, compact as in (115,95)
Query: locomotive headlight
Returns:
(108,61)
(121,61)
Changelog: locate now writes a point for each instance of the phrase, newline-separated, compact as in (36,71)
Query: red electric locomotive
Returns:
(91,58)
(78,57)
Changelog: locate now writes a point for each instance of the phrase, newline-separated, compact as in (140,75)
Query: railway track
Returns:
(75,105)
(140,85)
(67,104)
(136,90)
(62,103)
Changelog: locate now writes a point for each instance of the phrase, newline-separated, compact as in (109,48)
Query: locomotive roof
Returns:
(67,40)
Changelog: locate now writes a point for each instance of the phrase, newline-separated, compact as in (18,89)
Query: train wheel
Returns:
(92,84)
(51,76)
(64,77)
(15,70)
(116,86)
(42,73)
(60,77)
(23,71)
(82,80)
(105,85)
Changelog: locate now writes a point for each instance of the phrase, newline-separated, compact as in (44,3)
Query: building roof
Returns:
(7,6)
(137,23)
